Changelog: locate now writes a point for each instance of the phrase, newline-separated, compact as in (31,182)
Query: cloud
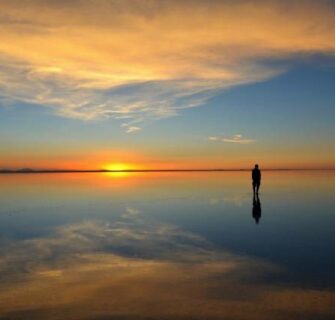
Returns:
(133,129)
(237,138)
(129,128)
(146,60)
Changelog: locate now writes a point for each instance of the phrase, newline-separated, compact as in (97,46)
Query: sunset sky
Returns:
(167,84)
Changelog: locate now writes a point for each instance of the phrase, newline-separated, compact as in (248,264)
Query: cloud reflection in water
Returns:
(136,269)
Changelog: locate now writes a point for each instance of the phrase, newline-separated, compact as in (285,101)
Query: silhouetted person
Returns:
(256,208)
(256,178)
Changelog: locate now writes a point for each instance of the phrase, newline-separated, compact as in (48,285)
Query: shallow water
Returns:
(167,246)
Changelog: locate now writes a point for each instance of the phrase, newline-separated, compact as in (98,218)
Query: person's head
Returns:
(256,166)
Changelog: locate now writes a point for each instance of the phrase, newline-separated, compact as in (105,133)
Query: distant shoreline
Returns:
(31,171)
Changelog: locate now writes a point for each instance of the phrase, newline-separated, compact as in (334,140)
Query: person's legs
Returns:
(257,187)
(254,186)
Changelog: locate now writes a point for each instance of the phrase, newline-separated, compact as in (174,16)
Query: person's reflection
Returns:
(256,208)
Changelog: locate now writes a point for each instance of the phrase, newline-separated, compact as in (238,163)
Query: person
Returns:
(256,179)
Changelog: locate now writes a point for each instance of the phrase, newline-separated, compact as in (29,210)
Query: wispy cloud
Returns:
(129,128)
(237,138)
(140,60)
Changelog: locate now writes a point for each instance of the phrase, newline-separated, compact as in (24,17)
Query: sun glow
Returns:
(119,167)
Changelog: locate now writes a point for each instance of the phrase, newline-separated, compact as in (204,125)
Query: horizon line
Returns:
(32,171)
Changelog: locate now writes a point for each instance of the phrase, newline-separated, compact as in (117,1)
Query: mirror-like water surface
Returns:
(167,246)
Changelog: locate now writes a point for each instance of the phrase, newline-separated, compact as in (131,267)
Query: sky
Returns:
(167,84)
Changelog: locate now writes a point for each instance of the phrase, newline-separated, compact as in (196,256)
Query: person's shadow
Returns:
(256,208)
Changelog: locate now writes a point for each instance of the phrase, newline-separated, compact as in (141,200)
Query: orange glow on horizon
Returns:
(117,167)
(121,166)
(124,160)
(120,169)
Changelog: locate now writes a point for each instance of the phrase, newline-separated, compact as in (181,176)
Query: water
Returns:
(167,246)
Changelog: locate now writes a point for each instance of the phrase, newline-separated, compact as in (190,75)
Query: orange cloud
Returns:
(138,60)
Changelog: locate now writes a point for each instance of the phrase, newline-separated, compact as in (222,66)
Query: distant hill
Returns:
(25,170)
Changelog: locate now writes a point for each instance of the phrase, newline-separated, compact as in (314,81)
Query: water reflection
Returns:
(94,270)
(153,248)
(256,208)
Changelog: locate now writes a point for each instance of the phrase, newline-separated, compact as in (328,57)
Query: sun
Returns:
(118,167)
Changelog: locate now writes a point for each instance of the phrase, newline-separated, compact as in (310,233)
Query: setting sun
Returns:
(119,167)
